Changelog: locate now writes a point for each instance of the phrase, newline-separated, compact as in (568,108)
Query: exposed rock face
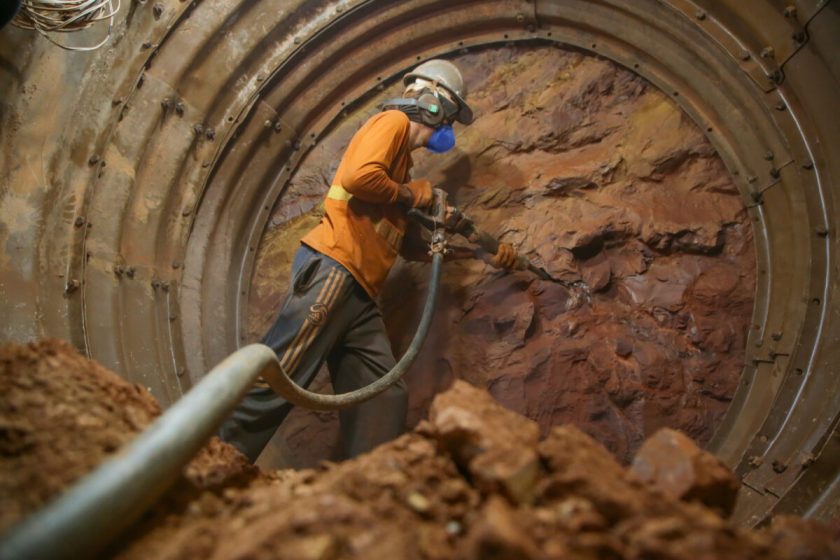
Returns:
(426,495)
(600,177)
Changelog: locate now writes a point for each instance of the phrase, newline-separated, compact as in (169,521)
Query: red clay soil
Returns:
(62,414)
(598,176)
(474,482)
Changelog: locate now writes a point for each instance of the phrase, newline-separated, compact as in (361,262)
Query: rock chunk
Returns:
(495,445)
(580,467)
(672,463)
(498,535)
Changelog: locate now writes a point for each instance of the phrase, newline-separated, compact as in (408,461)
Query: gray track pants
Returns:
(326,316)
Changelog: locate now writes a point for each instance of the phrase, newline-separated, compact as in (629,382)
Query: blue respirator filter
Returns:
(442,139)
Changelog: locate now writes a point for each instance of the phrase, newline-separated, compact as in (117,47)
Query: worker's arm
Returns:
(365,173)
(505,258)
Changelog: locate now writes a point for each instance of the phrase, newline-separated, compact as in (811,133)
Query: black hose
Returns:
(284,386)
(98,508)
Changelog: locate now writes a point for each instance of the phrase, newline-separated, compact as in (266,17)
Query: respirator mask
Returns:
(431,108)
(442,139)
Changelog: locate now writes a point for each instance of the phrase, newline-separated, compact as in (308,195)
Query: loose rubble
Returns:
(472,482)
(60,415)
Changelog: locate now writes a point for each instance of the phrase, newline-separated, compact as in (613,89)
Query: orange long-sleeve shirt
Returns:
(363,227)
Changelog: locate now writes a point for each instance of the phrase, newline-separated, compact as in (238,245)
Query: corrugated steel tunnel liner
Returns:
(137,181)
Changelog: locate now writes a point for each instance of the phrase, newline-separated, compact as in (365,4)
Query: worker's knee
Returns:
(400,388)
(396,395)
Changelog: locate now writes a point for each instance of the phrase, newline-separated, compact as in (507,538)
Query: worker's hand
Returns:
(421,193)
(504,258)
(455,221)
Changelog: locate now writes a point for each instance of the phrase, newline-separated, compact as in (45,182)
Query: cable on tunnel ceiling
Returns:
(66,16)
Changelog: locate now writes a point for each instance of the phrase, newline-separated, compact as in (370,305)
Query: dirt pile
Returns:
(472,482)
(62,414)
(601,177)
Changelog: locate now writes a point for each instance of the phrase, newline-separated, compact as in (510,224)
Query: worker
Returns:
(330,313)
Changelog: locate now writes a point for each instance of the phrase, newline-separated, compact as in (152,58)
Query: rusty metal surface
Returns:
(130,208)
(816,493)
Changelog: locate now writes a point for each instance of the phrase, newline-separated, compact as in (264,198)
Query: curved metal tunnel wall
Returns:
(133,205)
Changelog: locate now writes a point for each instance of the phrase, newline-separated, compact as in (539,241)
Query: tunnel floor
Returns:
(474,482)
(599,176)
